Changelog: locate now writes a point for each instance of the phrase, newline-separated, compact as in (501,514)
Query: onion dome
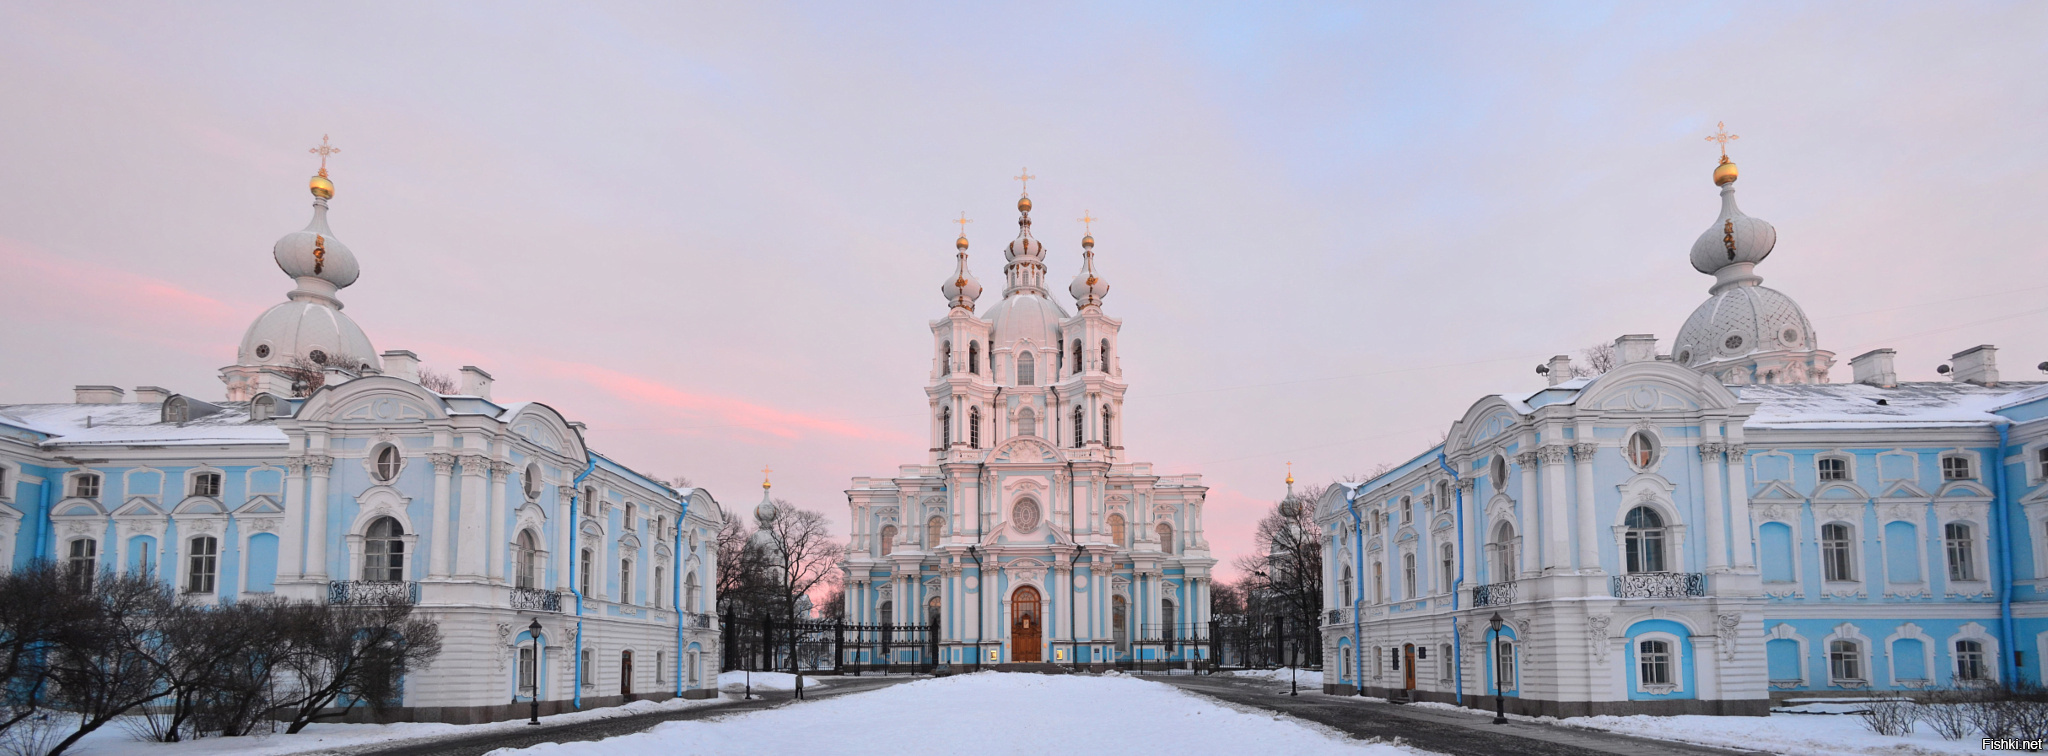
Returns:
(1088,288)
(1736,242)
(961,289)
(310,324)
(1024,248)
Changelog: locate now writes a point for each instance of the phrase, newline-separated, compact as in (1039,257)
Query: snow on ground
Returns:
(990,713)
(116,740)
(1306,678)
(1793,734)
(733,682)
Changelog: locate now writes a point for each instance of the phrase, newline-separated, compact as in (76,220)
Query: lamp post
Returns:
(533,676)
(1290,508)
(980,601)
(1499,714)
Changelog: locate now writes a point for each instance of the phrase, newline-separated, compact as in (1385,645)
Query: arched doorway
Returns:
(626,674)
(1026,625)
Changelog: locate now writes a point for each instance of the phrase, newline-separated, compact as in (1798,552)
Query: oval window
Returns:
(318,357)
(1733,343)
(1791,335)
(262,351)
(1685,356)
(1642,450)
(1499,473)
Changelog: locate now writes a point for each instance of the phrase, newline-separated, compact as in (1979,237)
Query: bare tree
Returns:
(1285,576)
(740,569)
(308,374)
(38,610)
(119,664)
(1226,598)
(805,555)
(1594,360)
(439,383)
(357,652)
(834,605)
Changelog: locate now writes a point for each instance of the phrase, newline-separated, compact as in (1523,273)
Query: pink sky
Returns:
(716,235)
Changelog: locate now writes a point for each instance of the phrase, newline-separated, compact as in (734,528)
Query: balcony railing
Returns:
(536,600)
(373,592)
(1659,585)
(1335,616)
(1494,594)
(696,620)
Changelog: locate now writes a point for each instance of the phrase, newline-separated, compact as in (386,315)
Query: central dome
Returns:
(1026,316)
(1739,321)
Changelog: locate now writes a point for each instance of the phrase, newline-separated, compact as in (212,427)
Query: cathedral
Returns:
(1704,530)
(327,471)
(1026,534)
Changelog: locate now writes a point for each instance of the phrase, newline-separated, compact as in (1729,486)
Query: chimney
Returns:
(1560,369)
(151,395)
(476,382)
(1978,365)
(402,364)
(97,394)
(1875,368)
(1635,347)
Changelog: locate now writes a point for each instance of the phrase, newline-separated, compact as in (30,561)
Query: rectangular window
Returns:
(626,581)
(1962,562)
(1408,574)
(527,669)
(1955,468)
(694,664)
(1654,658)
(660,583)
(83,563)
(204,561)
(1504,664)
(660,667)
(589,671)
(1835,552)
(86,486)
(1845,660)
(583,574)
(2041,462)
(1970,660)
(1834,468)
(1447,579)
(1443,662)
(206,484)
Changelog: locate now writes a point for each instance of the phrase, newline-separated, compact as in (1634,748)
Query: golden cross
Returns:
(1024,176)
(1722,136)
(323,151)
(764,476)
(963,222)
(1290,473)
(1087,222)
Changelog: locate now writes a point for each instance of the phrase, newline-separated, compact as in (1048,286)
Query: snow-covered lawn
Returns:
(115,740)
(989,713)
(1306,678)
(734,682)
(1833,733)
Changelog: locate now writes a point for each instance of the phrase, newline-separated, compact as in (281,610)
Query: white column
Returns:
(318,466)
(442,543)
(1717,538)
(1589,527)
(469,556)
(494,551)
(297,521)
(1475,532)
(1525,511)
(1738,502)
(1557,530)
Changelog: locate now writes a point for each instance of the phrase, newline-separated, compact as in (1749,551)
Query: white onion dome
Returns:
(1736,242)
(1025,317)
(1742,320)
(961,289)
(310,323)
(1024,248)
(1088,288)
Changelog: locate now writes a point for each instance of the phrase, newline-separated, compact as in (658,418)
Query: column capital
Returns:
(319,464)
(474,464)
(1585,450)
(444,463)
(1711,451)
(1553,454)
(1736,451)
(1526,459)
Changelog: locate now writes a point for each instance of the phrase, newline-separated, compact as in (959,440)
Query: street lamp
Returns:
(1290,508)
(980,602)
(533,675)
(1499,715)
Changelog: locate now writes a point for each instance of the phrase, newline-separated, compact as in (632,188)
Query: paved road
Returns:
(1431,729)
(476,745)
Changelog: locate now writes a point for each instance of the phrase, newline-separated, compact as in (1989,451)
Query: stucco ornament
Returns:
(1596,635)
(1025,515)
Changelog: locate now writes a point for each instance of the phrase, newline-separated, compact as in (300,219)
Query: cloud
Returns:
(708,411)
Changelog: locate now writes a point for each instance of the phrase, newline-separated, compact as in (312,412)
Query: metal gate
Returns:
(768,644)
(1241,642)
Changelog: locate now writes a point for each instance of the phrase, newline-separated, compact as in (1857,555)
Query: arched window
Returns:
(1379,583)
(1349,596)
(934,531)
(974,427)
(83,563)
(691,593)
(946,359)
(1119,618)
(1642,450)
(632,516)
(1105,427)
(1408,575)
(1027,422)
(888,539)
(583,573)
(1116,528)
(945,427)
(530,482)
(1503,548)
(1836,553)
(931,611)
(974,357)
(387,465)
(1167,619)
(1970,660)
(1165,537)
(206,484)
(1653,657)
(527,559)
(1077,357)
(887,611)
(626,581)
(1644,540)
(1448,565)
(1105,355)
(1079,419)
(1962,559)
(384,551)
(202,564)
(1027,369)
(86,486)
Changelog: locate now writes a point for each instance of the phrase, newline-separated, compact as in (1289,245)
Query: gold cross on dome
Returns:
(1087,222)
(963,221)
(765,472)
(1024,178)
(323,151)
(1722,136)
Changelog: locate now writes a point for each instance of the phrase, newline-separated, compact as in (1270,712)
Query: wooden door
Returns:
(626,673)
(1026,625)
(1408,666)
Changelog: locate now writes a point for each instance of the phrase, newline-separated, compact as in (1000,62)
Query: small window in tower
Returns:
(1105,355)
(974,428)
(946,360)
(318,357)
(1733,343)
(1684,356)
(1078,367)
(1027,369)
(262,351)
(974,357)
(1790,336)
(1105,427)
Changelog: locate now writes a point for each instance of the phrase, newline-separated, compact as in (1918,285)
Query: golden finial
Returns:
(1087,232)
(961,243)
(764,477)
(1290,473)
(321,186)
(1725,172)
(1024,178)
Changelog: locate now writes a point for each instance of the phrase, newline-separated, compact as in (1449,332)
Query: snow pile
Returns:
(1792,734)
(1306,677)
(990,713)
(732,682)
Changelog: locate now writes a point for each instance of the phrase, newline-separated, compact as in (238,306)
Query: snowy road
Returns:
(990,713)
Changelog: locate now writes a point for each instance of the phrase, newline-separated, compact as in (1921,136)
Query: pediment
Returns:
(1841,491)
(79,508)
(261,505)
(1964,489)
(1777,490)
(1645,397)
(201,505)
(1025,449)
(136,506)
(1904,489)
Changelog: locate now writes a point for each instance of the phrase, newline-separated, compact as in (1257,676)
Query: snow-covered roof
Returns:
(1855,405)
(139,424)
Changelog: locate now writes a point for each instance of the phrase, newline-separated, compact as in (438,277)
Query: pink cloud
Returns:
(109,297)
(715,409)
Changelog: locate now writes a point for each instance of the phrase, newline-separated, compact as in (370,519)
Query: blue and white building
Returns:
(1702,530)
(327,472)
(1027,534)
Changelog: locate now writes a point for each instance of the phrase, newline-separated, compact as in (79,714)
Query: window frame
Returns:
(1846,473)
(1855,655)
(1644,545)
(392,559)
(1838,555)
(1971,660)
(81,569)
(1964,562)
(1956,462)
(1647,457)
(202,566)
(387,462)
(1027,368)
(207,484)
(87,485)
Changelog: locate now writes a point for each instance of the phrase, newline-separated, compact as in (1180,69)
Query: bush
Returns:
(1947,711)
(1894,716)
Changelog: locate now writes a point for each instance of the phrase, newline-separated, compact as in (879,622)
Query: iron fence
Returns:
(536,600)
(1659,585)
(769,644)
(1241,642)
(373,592)
(1494,594)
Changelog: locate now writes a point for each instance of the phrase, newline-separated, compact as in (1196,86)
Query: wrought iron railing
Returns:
(536,600)
(1335,616)
(1494,594)
(373,592)
(696,620)
(1659,585)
